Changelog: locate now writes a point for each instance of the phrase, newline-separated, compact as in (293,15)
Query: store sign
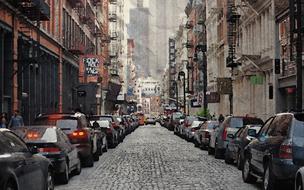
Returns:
(91,65)
(224,85)
(213,97)
(195,103)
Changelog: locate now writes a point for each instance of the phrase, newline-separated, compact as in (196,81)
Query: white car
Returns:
(189,131)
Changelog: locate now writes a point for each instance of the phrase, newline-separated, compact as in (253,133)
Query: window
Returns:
(15,144)
(280,125)
(263,131)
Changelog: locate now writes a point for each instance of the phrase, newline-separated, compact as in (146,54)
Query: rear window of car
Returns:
(176,115)
(67,124)
(102,123)
(212,124)
(38,134)
(106,118)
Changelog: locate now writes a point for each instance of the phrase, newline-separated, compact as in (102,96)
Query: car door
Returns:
(69,149)
(31,173)
(236,142)
(258,146)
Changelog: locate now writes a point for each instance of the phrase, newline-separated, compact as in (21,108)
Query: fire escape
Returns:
(113,18)
(233,21)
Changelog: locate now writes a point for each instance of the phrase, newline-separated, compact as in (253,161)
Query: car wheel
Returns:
(89,162)
(217,152)
(10,186)
(246,172)
(299,184)
(105,149)
(228,160)
(78,169)
(64,176)
(49,181)
(268,178)
(239,161)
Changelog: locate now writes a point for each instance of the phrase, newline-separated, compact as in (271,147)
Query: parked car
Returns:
(277,152)
(202,136)
(116,124)
(219,139)
(189,132)
(187,123)
(174,120)
(54,144)
(79,132)
(111,134)
(150,120)
(235,148)
(20,167)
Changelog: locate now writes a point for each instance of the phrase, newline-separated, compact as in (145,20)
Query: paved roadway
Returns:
(154,158)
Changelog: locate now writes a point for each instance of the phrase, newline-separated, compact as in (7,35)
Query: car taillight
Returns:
(285,150)
(224,134)
(49,150)
(80,134)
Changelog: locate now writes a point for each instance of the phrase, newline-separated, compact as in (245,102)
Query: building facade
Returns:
(41,49)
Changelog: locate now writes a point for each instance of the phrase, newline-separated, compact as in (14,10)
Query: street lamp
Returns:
(183,74)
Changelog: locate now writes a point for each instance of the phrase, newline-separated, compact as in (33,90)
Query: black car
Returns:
(277,152)
(54,145)
(20,167)
(235,147)
(79,132)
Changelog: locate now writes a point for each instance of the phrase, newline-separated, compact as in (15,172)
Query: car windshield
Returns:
(38,134)
(211,125)
(195,124)
(236,122)
(298,128)
(66,124)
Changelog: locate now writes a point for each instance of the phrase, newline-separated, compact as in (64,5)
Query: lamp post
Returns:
(183,74)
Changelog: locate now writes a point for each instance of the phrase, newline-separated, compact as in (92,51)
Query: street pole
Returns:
(299,55)
(205,81)
(176,88)
(295,29)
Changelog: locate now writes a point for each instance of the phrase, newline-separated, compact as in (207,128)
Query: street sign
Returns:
(224,85)
(213,97)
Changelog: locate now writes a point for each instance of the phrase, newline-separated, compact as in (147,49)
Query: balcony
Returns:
(113,17)
(77,3)
(114,35)
(35,10)
(113,2)
(78,48)
(114,72)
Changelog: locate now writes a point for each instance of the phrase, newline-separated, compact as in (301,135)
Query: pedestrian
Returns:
(16,120)
(3,122)
(221,118)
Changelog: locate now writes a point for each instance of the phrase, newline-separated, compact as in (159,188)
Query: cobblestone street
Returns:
(154,158)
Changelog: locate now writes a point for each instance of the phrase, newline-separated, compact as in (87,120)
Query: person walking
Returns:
(3,121)
(16,120)
(221,118)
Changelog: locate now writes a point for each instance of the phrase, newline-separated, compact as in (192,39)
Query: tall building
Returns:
(138,29)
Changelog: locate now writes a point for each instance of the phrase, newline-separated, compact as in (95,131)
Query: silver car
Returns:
(219,138)
(190,131)
(202,136)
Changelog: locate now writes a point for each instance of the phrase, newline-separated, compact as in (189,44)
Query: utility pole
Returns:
(295,8)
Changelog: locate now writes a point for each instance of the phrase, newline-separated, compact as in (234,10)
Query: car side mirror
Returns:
(34,150)
(230,136)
